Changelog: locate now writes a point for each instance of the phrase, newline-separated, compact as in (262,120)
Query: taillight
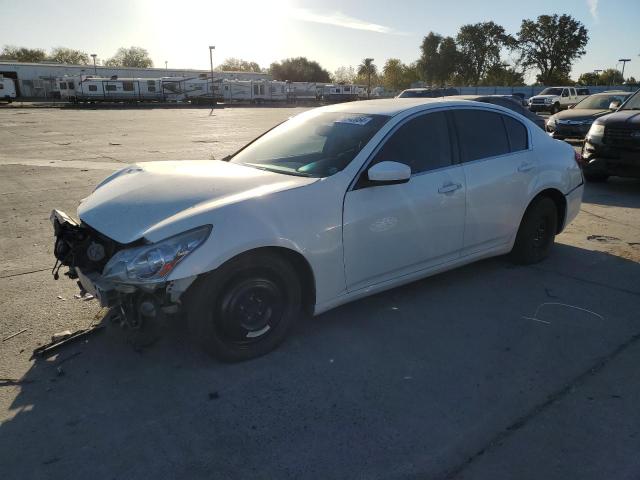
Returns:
(578,157)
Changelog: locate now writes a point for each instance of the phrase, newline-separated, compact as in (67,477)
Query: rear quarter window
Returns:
(516,134)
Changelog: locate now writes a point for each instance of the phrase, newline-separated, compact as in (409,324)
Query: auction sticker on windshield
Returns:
(356,120)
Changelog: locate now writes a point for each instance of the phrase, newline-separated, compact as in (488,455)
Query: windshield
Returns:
(633,103)
(551,91)
(600,102)
(312,145)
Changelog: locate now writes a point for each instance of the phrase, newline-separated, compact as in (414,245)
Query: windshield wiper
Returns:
(286,171)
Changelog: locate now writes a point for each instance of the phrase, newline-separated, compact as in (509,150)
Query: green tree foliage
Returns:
(502,75)
(22,54)
(611,76)
(233,64)
(369,70)
(299,69)
(344,75)
(479,46)
(551,44)
(631,81)
(589,78)
(393,74)
(439,59)
(130,57)
(69,55)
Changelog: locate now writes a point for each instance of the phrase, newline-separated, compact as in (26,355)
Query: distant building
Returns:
(38,79)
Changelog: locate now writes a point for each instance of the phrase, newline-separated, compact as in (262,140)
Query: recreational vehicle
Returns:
(7,89)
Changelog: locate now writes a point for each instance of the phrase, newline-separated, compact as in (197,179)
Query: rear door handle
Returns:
(451,187)
(525,167)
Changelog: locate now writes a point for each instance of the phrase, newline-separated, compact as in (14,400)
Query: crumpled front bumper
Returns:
(78,248)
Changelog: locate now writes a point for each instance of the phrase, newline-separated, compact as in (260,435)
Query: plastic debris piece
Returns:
(14,335)
(60,297)
(56,337)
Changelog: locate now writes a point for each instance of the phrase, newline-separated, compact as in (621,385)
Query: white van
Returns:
(7,89)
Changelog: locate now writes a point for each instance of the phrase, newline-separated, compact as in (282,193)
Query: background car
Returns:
(427,92)
(507,101)
(612,146)
(575,122)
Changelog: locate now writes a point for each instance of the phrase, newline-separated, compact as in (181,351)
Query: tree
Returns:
(233,64)
(611,76)
(136,57)
(69,55)
(551,44)
(22,54)
(299,69)
(501,74)
(589,78)
(631,81)
(479,46)
(393,73)
(367,69)
(439,59)
(344,75)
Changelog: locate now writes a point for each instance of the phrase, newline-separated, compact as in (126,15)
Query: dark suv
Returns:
(612,146)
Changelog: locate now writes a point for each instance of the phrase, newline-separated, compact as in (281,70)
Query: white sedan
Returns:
(335,204)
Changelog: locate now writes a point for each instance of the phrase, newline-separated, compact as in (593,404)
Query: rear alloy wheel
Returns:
(245,308)
(536,233)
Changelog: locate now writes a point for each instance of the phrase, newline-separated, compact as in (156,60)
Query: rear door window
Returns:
(481,134)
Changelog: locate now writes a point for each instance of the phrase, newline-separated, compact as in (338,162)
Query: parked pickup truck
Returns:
(554,99)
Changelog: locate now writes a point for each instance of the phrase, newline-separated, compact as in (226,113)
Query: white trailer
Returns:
(114,89)
(340,92)
(7,89)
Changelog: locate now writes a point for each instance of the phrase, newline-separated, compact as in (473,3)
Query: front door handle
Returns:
(450,187)
(525,167)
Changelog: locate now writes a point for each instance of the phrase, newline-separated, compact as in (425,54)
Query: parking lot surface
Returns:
(488,371)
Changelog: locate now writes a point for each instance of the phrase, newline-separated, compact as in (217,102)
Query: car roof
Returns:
(394,106)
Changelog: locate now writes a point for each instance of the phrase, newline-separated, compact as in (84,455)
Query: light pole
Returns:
(165,66)
(624,62)
(95,70)
(211,49)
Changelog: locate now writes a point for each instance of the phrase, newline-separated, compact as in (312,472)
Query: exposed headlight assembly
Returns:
(548,100)
(152,263)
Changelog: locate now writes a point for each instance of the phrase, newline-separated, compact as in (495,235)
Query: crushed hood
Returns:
(132,201)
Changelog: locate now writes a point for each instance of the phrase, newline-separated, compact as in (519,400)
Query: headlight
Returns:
(596,132)
(548,100)
(152,263)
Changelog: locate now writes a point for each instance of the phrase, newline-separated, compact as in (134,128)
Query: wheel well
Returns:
(302,268)
(560,201)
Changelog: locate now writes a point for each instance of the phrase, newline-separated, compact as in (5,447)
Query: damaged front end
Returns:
(130,277)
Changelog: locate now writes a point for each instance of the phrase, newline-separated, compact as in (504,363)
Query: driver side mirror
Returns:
(614,105)
(389,173)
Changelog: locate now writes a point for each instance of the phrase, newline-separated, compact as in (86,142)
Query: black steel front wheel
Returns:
(245,308)
(537,232)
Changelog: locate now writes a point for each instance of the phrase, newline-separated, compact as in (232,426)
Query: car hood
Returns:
(580,114)
(545,96)
(145,197)
(622,118)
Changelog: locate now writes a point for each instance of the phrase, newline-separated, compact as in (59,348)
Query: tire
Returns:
(555,109)
(595,177)
(245,308)
(536,233)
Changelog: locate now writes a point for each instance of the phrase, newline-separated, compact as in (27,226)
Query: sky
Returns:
(333,32)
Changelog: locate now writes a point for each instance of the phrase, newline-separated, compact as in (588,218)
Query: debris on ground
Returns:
(46,350)
(85,297)
(60,297)
(14,334)
(56,337)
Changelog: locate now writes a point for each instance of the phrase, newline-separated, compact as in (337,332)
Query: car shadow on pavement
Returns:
(615,192)
(409,381)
